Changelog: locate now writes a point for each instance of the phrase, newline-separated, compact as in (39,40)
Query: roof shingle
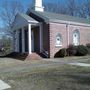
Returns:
(55,16)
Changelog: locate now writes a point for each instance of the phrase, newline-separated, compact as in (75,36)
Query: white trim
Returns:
(60,39)
(33,22)
(23,41)
(58,45)
(76,37)
(29,39)
(70,23)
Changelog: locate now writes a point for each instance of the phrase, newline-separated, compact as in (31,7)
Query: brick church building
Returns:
(45,32)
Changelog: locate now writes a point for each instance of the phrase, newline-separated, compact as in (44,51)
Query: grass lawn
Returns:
(86,59)
(86,62)
(63,77)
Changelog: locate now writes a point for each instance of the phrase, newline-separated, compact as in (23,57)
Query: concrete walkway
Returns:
(80,64)
(4,85)
(74,61)
(66,60)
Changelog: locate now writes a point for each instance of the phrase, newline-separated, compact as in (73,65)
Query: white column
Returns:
(29,39)
(17,41)
(23,41)
(41,38)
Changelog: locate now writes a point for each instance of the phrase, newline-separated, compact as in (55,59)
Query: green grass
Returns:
(63,77)
(86,62)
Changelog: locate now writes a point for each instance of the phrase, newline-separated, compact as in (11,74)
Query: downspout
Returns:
(67,30)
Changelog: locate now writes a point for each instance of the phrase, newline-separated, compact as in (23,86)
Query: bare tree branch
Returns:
(9,11)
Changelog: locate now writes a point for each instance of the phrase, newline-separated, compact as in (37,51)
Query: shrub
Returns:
(71,50)
(89,51)
(88,45)
(82,50)
(57,54)
(61,53)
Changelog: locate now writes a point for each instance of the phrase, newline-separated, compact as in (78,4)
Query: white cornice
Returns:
(70,23)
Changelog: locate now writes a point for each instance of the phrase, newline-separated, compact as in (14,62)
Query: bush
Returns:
(88,45)
(89,51)
(71,50)
(61,53)
(82,50)
(57,54)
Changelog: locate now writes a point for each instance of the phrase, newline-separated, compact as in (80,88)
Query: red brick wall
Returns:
(55,28)
(45,37)
(84,34)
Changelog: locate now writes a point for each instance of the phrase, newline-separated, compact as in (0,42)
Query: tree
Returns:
(9,11)
(82,12)
(69,7)
(86,9)
(72,7)
(56,7)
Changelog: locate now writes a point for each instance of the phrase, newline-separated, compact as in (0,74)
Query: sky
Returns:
(26,3)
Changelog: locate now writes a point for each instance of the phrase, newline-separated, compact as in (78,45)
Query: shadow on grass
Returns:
(81,78)
(71,81)
(15,55)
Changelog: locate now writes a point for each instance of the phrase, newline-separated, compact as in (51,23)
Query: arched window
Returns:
(58,39)
(76,37)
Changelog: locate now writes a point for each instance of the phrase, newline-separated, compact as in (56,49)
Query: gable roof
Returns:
(22,20)
(26,17)
(48,16)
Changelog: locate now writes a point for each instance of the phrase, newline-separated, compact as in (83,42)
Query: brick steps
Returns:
(34,56)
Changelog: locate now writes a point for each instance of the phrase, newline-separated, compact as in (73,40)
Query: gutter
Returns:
(69,22)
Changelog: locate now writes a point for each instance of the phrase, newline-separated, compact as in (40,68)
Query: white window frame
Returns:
(58,43)
(76,32)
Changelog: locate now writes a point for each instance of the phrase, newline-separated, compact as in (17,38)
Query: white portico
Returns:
(28,32)
(23,33)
